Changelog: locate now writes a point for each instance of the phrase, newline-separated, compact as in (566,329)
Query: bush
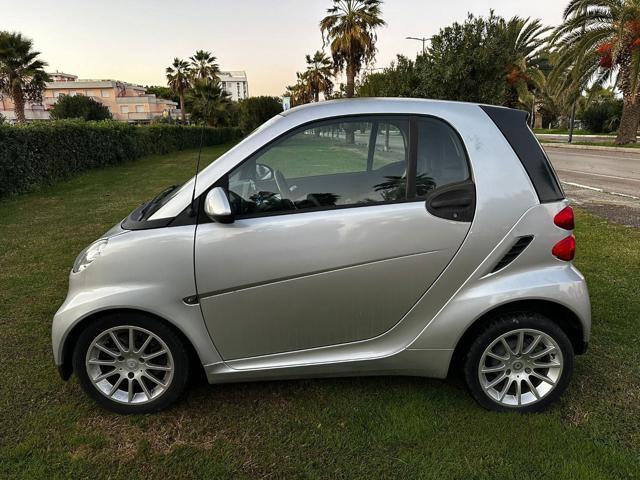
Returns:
(255,111)
(603,117)
(42,153)
(79,107)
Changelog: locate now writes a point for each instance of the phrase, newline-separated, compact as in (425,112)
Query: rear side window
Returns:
(513,125)
(442,159)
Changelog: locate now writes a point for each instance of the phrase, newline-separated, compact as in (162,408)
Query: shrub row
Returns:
(43,153)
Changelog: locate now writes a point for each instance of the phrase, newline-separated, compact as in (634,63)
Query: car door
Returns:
(333,241)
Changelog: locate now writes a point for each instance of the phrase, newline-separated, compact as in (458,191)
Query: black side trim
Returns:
(511,255)
(131,224)
(513,125)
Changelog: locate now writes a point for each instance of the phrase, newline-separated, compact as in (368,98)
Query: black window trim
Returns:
(412,118)
(513,124)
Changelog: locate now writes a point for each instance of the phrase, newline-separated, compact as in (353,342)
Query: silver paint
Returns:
(361,291)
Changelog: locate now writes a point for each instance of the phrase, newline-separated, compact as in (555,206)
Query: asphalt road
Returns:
(606,182)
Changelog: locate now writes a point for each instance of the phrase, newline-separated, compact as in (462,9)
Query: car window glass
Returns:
(331,164)
(442,159)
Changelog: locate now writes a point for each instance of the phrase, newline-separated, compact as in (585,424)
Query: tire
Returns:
(144,380)
(488,361)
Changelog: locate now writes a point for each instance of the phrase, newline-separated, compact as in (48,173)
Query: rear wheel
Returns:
(131,363)
(520,362)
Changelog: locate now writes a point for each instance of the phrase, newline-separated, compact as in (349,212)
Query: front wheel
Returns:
(520,362)
(131,363)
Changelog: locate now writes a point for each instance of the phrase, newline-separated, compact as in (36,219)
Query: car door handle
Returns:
(459,202)
(453,202)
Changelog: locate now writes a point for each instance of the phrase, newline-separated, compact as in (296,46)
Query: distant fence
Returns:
(38,154)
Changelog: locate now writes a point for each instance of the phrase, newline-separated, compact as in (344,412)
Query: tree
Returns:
(600,39)
(600,110)
(318,75)
(350,29)
(399,80)
(2,119)
(255,111)
(208,102)
(22,75)
(603,117)
(524,39)
(466,62)
(178,79)
(79,107)
(300,93)
(163,92)
(204,66)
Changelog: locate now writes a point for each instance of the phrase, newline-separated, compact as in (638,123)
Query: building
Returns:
(126,102)
(235,84)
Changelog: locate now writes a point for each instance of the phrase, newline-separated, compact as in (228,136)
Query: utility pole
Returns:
(424,41)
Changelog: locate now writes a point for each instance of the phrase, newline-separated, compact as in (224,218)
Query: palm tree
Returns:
(350,28)
(601,39)
(319,74)
(178,76)
(203,65)
(524,38)
(209,103)
(22,75)
(300,93)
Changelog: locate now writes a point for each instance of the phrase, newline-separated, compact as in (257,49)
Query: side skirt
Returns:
(419,363)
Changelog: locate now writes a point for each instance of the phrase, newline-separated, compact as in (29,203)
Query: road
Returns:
(608,182)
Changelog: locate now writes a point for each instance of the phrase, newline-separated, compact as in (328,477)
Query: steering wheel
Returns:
(283,186)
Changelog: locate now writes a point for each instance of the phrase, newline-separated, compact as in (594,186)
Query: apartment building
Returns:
(235,83)
(126,102)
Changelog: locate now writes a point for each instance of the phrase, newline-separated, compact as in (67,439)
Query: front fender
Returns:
(145,298)
(149,271)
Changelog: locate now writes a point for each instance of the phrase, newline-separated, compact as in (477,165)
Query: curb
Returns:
(591,147)
(578,136)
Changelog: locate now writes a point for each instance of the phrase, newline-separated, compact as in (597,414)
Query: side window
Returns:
(330,164)
(442,159)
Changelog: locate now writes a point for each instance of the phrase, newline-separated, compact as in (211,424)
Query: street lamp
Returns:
(423,40)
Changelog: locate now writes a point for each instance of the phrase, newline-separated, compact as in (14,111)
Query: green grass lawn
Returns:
(345,428)
(565,131)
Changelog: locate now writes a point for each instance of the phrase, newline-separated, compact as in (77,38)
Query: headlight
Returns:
(88,255)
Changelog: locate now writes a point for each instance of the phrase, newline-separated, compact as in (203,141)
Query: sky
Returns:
(135,40)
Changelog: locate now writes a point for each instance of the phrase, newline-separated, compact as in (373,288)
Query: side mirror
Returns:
(264,172)
(217,206)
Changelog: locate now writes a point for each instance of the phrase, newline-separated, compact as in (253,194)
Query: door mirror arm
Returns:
(217,206)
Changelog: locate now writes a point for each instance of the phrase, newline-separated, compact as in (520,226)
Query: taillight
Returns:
(565,219)
(565,249)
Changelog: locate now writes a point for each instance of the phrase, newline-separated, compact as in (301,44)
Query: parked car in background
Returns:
(361,237)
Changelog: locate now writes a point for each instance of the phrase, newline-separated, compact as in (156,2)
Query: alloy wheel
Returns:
(520,367)
(130,365)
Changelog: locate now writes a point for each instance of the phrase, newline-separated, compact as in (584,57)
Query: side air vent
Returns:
(516,250)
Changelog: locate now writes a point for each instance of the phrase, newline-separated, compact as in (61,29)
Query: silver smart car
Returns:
(358,237)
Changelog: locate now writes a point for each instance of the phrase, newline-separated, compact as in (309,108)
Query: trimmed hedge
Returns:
(43,153)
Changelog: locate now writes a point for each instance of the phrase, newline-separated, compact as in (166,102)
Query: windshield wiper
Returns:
(148,208)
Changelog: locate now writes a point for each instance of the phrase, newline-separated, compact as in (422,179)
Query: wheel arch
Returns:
(563,316)
(66,367)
